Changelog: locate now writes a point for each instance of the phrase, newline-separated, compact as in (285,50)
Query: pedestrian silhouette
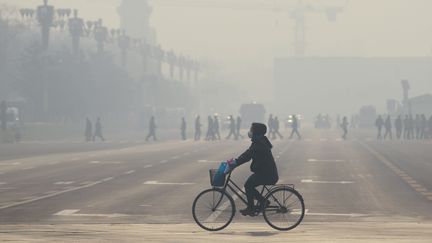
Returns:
(210,129)
(379,124)
(417,126)
(88,132)
(398,126)
(411,127)
(152,129)
(276,127)
(183,128)
(216,127)
(98,130)
(294,126)
(270,125)
(232,128)
(430,127)
(3,115)
(344,126)
(406,124)
(238,127)
(388,128)
(198,125)
(423,126)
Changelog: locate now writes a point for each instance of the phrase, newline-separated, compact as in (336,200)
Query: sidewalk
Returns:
(237,232)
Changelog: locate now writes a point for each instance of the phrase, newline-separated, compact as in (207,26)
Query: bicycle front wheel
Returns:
(213,209)
(285,209)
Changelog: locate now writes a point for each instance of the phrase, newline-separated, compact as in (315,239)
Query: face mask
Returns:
(250,134)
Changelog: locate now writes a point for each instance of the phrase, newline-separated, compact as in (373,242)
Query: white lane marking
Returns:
(3,183)
(208,161)
(34,199)
(352,215)
(145,205)
(86,182)
(163,161)
(326,160)
(129,172)
(15,163)
(73,212)
(148,166)
(64,182)
(107,179)
(28,168)
(94,162)
(297,211)
(175,157)
(6,188)
(167,183)
(327,182)
(66,212)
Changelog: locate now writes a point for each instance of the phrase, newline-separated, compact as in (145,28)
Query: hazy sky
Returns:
(250,39)
(366,27)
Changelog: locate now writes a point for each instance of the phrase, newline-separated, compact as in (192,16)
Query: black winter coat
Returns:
(263,162)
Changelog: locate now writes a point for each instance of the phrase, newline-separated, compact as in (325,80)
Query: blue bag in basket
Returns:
(219,177)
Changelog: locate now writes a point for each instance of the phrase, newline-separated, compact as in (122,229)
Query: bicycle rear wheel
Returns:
(213,209)
(285,210)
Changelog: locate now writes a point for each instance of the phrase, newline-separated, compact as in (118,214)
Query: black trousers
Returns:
(256,180)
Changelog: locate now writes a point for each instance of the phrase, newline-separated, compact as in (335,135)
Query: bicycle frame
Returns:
(230,184)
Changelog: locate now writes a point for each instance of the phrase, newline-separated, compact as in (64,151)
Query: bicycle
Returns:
(214,209)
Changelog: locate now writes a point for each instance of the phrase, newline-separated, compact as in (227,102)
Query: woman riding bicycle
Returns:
(263,166)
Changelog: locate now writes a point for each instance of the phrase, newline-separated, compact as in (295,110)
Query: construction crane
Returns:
(298,13)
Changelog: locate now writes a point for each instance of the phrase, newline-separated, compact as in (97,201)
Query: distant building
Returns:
(135,19)
(421,104)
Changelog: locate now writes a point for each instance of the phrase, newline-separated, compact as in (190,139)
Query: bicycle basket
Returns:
(217,178)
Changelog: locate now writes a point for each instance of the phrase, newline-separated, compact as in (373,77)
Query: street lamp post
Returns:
(45,17)
(76,29)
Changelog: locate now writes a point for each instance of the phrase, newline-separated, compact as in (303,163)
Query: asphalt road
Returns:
(357,180)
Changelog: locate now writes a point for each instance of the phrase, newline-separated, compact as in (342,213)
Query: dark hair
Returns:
(258,128)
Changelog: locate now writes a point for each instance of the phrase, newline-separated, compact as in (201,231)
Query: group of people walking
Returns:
(89,134)
(213,128)
(407,127)
(233,125)
(273,127)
